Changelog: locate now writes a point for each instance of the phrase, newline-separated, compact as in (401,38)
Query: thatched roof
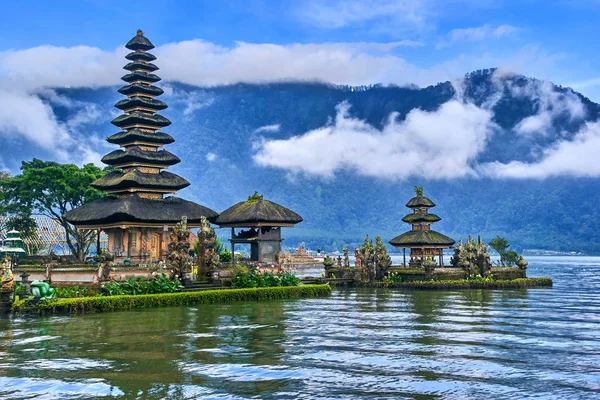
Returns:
(140,118)
(420,217)
(134,65)
(420,201)
(257,212)
(138,55)
(139,42)
(422,239)
(135,154)
(135,179)
(140,76)
(135,135)
(137,101)
(138,88)
(111,210)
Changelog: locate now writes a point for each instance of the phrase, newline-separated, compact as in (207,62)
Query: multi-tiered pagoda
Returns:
(422,241)
(137,215)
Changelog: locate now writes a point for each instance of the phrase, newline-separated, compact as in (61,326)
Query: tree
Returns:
(367,259)
(508,258)
(52,189)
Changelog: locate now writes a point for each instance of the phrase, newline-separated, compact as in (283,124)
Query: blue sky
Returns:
(555,40)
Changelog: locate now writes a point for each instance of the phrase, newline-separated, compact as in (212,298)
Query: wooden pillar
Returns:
(404,256)
(232,246)
(98,241)
(441,258)
(129,242)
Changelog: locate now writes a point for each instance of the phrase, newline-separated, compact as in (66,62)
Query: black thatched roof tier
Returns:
(136,155)
(140,56)
(132,209)
(140,76)
(137,101)
(118,180)
(422,239)
(139,89)
(257,212)
(136,135)
(418,217)
(420,201)
(135,66)
(139,42)
(140,118)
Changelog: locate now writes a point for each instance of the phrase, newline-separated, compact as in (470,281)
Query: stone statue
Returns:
(346,258)
(357,262)
(208,255)
(178,255)
(7,275)
(41,290)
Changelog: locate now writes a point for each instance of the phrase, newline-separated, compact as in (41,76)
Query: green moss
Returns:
(467,284)
(116,303)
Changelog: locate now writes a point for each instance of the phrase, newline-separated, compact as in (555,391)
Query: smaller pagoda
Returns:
(263,220)
(422,241)
(12,245)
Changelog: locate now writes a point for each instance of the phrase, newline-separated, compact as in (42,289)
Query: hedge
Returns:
(115,303)
(466,284)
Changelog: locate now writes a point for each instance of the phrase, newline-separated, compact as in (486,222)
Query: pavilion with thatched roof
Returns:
(264,220)
(422,241)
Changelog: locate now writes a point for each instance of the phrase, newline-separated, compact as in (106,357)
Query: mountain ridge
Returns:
(217,131)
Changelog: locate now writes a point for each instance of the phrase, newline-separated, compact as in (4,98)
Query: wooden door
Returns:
(155,246)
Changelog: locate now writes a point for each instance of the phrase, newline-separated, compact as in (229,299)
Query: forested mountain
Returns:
(218,131)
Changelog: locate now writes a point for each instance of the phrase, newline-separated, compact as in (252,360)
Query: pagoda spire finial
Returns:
(419,190)
(140,32)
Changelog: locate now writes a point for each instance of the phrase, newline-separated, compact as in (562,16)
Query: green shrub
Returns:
(142,285)
(225,256)
(254,278)
(73,291)
(115,303)
(393,277)
(473,283)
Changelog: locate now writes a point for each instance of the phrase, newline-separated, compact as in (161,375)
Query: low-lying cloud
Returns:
(439,144)
(577,157)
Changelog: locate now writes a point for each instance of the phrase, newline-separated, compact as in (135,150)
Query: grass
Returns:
(518,283)
(97,304)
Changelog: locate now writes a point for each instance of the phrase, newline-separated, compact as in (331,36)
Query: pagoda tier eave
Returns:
(136,118)
(142,102)
(140,90)
(139,66)
(138,55)
(162,158)
(125,138)
(138,76)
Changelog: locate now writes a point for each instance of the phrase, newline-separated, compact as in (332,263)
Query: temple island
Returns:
(149,237)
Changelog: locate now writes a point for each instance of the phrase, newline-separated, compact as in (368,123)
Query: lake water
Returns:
(535,343)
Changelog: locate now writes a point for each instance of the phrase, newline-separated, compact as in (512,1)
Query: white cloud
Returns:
(477,34)
(25,115)
(577,157)
(268,128)
(202,63)
(551,105)
(211,156)
(437,145)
